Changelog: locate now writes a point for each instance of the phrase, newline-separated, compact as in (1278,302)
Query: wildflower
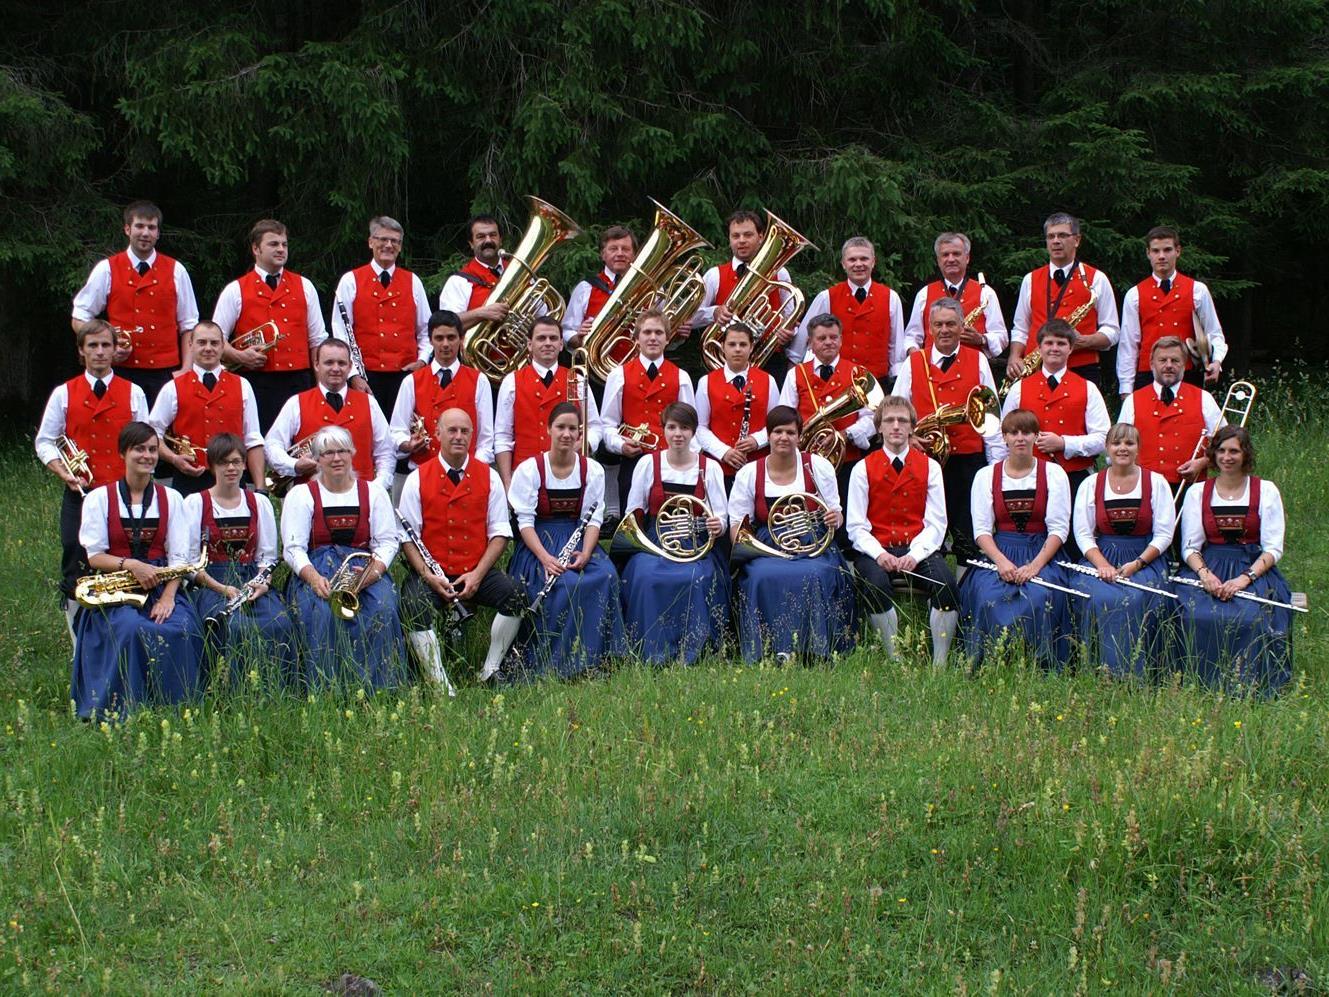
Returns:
(1236,724)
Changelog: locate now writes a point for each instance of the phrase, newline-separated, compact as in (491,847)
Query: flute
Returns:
(1195,583)
(1082,569)
(973,562)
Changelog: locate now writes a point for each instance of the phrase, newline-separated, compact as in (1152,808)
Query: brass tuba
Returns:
(345,584)
(979,411)
(749,303)
(820,436)
(654,279)
(680,531)
(496,349)
(797,526)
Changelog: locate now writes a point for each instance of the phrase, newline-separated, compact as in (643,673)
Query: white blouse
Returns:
(525,491)
(742,498)
(643,477)
(983,511)
(267,524)
(1160,494)
(297,518)
(1272,525)
(94,531)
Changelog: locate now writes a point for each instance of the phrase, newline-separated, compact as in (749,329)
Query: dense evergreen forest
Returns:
(893,119)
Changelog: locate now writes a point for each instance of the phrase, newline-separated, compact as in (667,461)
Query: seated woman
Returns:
(803,606)
(241,534)
(1231,539)
(336,521)
(125,655)
(579,625)
(676,610)
(1021,510)
(1123,525)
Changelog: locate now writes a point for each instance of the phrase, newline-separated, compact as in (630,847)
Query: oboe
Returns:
(245,595)
(357,360)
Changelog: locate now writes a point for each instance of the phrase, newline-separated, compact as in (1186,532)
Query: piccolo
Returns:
(989,566)
(1092,572)
(1195,583)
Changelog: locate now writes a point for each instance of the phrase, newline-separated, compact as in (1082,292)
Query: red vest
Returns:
(728,278)
(322,526)
(971,294)
(385,319)
(95,424)
(355,417)
(455,527)
(897,502)
(814,393)
(202,414)
(118,538)
(147,301)
(760,508)
(1036,509)
(287,307)
(657,495)
(645,400)
(1142,516)
(221,540)
(482,281)
(1043,291)
(727,408)
(952,386)
(601,289)
(1165,315)
(1248,523)
(532,402)
(867,326)
(1168,433)
(431,401)
(1061,411)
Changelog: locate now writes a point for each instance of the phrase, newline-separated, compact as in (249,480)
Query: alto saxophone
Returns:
(1034,359)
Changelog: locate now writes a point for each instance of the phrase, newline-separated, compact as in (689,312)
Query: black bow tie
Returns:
(825,371)
(898,464)
(209,380)
(946,362)
(1167,394)
(652,372)
(384,277)
(861,294)
(444,377)
(547,378)
(273,280)
(1060,276)
(99,389)
(1053,382)
(739,382)
(142,267)
(455,474)
(1165,285)
(335,400)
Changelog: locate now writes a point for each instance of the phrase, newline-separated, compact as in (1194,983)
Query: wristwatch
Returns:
(1250,573)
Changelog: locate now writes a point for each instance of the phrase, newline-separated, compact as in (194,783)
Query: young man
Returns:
(529,394)
(459,509)
(271,293)
(896,521)
(90,410)
(1171,415)
(146,295)
(730,396)
(1166,303)
(869,313)
(201,403)
(445,384)
(330,403)
(466,292)
(618,248)
(987,331)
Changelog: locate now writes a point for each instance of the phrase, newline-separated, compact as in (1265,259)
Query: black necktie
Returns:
(861,294)
(455,474)
(547,378)
(1059,277)
(946,362)
(444,378)
(825,371)
(952,290)
(273,280)
(652,372)
(99,389)
(898,464)
(384,278)
(142,267)
(335,400)
(209,380)
(1053,382)
(1167,394)
(741,269)
(739,382)
(496,271)
(1165,285)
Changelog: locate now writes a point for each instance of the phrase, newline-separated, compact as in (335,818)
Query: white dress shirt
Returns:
(743,495)
(167,407)
(1213,415)
(611,416)
(297,518)
(91,298)
(525,492)
(643,477)
(404,410)
(267,524)
(705,313)
(1160,495)
(94,532)
(497,521)
(983,510)
(505,412)
(821,305)
(1097,422)
(1272,525)
(711,444)
(862,430)
(1128,345)
(1105,302)
(995,334)
(55,416)
(455,295)
(282,437)
(229,303)
(345,293)
(578,300)
(993,444)
(859,527)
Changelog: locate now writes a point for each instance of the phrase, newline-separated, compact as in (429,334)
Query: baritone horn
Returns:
(797,524)
(655,279)
(497,348)
(820,436)
(680,531)
(979,411)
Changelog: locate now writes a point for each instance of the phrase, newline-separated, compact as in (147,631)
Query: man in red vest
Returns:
(1172,416)
(90,410)
(1167,303)
(201,403)
(331,403)
(869,313)
(986,331)
(896,521)
(529,394)
(458,508)
(948,373)
(466,292)
(1060,289)
(618,248)
(147,296)
(388,312)
(730,396)
(430,391)
(270,293)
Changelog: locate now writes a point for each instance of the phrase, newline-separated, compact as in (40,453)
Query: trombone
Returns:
(578,385)
(1237,406)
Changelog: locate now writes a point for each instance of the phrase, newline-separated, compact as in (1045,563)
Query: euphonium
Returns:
(797,526)
(820,436)
(345,585)
(680,531)
(979,411)
(75,459)
(496,349)
(749,301)
(121,588)
(654,279)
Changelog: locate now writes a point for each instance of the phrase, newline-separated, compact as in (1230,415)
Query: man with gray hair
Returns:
(388,314)
(869,312)
(1068,289)
(984,326)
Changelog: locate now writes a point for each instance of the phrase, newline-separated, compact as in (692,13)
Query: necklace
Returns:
(1122,489)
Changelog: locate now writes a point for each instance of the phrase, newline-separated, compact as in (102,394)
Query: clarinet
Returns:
(357,360)
(457,613)
(565,556)
(746,424)
(245,594)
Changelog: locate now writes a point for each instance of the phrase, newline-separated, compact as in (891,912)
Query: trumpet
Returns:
(345,584)
(680,531)
(75,461)
(1237,405)
(797,524)
(121,588)
(183,446)
(124,337)
(497,348)
(420,429)
(1034,359)
(820,436)
(979,411)
(645,437)
(577,388)
(262,338)
(242,598)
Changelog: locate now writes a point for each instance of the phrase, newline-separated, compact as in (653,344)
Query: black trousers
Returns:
(419,603)
(151,381)
(778,367)
(1070,550)
(73,558)
(875,584)
(384,385)
(957,477)
(626,465)
(1194,376)
(273,388)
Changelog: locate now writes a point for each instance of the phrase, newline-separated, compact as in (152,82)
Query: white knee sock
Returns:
(501,635)
(71,610)
(429,655)
(944,624)
(612,498)
(887,624)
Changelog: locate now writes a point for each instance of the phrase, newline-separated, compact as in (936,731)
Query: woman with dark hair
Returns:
(580,622)
(676,610)
(1021,510)
(800,606)
(1232,530)
(241,535)
(126,655)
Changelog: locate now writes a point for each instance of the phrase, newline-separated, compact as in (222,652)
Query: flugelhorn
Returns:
(124,337)
(345,585)
(819,434)
(183,446)
(797,524)
(680,531)
(279,484)
(262,338)
(121,588)
(496,349)
(642,435)
(75,460)
(979,411)
(1237,405)
(655,278)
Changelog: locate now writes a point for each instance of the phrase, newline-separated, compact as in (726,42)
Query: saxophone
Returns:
(1034,359)
(121,588)
(972,317)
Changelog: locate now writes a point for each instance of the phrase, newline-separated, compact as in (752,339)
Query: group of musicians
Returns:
(1049,553)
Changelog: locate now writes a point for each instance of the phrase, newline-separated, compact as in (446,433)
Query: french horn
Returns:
(680,531)
(797,525)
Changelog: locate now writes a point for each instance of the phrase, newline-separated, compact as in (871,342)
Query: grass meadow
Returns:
(863,827)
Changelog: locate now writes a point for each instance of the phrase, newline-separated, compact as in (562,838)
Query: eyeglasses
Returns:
(388,240)
(232,462)
(335,453)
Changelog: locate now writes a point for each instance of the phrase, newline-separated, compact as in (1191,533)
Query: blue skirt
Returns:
(801,607)
(1029,614)
(123,659)
(580,623)
(1237,645)
(675,612)
(368,651)
(1123,629)
(258,636)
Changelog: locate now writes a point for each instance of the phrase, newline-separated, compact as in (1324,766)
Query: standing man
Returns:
(1171,415)
(986,331)
(618,248)
(1060,289)
(146,295)
(1167,303)
(388,312)
(466,292)
(869,312)
(271,293)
